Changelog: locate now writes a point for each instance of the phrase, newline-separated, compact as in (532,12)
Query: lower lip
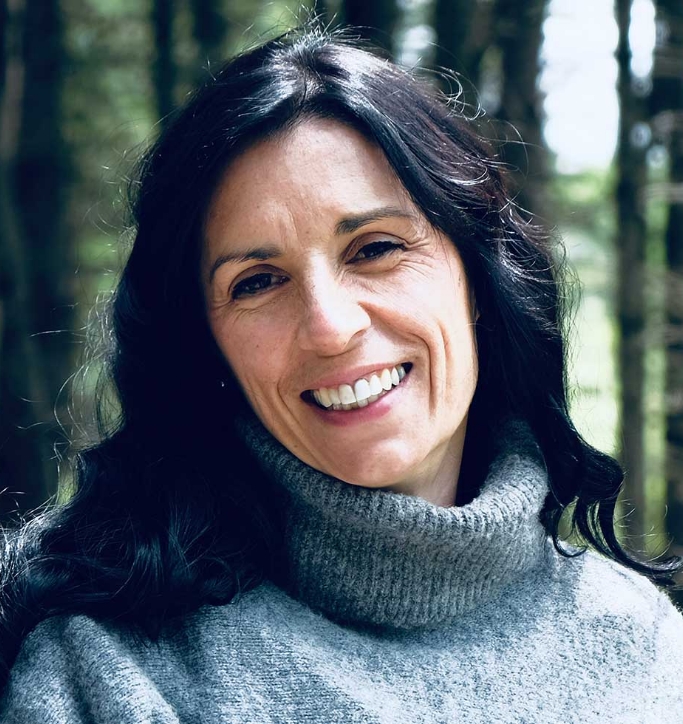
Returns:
(359,415)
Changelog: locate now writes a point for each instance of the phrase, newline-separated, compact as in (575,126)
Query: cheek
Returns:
(457,326)
(255,361)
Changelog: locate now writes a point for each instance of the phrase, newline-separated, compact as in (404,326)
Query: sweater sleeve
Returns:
(667,674)
(39,688)
(72,670)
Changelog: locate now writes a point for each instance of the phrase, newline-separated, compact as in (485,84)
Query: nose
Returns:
(333,315)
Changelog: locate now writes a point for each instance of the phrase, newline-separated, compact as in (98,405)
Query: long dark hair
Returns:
(168,512)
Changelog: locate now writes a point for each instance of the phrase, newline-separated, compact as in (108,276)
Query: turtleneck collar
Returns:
(375,557)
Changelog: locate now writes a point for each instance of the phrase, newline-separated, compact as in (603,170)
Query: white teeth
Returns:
(346,395)
(375,385)
(323,397)
(362,390)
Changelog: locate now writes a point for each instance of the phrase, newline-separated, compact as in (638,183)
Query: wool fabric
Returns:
(394,611)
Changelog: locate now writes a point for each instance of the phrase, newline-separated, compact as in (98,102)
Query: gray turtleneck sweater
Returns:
(397,611)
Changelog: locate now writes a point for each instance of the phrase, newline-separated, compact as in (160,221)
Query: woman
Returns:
(343,451)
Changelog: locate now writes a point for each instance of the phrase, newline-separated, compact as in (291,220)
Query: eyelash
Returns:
(385,245)
(242,288)
(245,287)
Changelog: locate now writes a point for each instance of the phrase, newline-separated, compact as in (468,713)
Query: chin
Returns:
(382,476)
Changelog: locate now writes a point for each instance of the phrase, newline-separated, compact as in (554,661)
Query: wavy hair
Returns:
(168,513)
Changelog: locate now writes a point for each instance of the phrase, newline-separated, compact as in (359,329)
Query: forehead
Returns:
(320,169)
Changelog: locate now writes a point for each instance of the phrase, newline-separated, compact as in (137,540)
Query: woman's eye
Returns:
(376,249)
(256,284)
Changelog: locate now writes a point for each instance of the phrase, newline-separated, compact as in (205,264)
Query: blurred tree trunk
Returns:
(37,301)
(210,30)
(463,33)
(667,108)
(164,70)
(519,33)
(631,243)
(21,452)
(375,19)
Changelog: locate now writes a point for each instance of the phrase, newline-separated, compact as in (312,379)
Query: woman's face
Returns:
(324,284)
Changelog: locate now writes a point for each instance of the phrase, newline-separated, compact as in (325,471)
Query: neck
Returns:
(438,483)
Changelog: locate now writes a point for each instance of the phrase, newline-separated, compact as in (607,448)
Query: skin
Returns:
(328,301)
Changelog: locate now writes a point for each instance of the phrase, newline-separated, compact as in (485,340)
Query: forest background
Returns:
(593,88)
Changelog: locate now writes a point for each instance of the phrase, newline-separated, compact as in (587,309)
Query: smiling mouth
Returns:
(360,393)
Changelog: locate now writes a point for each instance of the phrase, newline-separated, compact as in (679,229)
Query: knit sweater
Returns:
(394,611)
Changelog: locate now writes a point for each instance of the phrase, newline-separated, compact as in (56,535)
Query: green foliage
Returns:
(583,202)
(587,224)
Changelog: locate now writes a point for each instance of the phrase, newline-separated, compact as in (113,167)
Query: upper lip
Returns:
(348,377)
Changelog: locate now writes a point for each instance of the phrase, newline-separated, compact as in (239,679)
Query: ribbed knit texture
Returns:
(461,615)
(370,556)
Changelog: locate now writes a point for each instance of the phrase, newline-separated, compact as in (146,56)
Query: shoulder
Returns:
(627,612)
(71,667)
(57,676)
(41,685)
(604,588)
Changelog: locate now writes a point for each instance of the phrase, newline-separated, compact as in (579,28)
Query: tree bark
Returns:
(463,33)
(36,299)
(210,29)
(631,244)
(518,29)
(376,20)
(164,71)
(667,106)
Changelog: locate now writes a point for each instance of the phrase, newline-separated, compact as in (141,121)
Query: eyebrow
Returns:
(260,253)
(354,222)
(347,225)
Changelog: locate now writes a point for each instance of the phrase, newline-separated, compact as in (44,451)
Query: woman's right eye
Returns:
(256,284)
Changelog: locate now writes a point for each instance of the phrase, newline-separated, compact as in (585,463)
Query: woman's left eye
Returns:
(376,249)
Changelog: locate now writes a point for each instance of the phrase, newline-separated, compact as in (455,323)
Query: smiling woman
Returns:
(356,287)
(334,492)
